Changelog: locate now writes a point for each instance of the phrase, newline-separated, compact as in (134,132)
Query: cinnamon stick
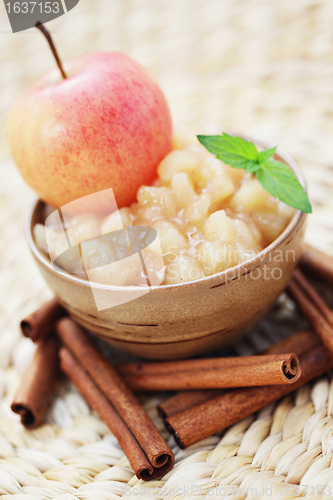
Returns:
(185,400)
(318,263)
(313,308)
(35,392)
(296,343)
(299,343)
(136,457)
(113,387)
(312,293)
(210,417)
(247,371)
(184,365)
(39,324)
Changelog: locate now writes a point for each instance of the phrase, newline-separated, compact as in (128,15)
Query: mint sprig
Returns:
(275,176)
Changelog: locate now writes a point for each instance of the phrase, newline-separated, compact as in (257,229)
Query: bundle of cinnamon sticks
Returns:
(111,398)
(216,392)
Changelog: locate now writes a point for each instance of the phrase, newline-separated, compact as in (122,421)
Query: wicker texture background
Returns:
(259,67)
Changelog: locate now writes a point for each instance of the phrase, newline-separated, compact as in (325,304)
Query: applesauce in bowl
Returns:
(228,248)
(209,217)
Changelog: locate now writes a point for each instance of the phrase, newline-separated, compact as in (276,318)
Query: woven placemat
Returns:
(255,66)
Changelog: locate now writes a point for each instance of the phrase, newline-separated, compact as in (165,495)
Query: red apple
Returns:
(107,125)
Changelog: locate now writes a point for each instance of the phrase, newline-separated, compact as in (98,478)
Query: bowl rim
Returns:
(295,220)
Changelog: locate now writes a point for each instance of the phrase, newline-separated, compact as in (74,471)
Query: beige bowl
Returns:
(181,320)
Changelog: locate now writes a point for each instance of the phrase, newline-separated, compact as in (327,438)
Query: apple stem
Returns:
(48,37)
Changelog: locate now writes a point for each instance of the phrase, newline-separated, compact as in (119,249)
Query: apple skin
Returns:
(107,125)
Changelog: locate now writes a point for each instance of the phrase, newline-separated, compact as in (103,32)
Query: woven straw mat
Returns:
(257,67)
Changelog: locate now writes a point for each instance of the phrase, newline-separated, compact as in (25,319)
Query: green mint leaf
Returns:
(282,183)
(231,150)
(275,176)
(252,167)
(266,154)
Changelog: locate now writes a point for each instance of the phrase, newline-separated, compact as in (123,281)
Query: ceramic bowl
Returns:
(176,321)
